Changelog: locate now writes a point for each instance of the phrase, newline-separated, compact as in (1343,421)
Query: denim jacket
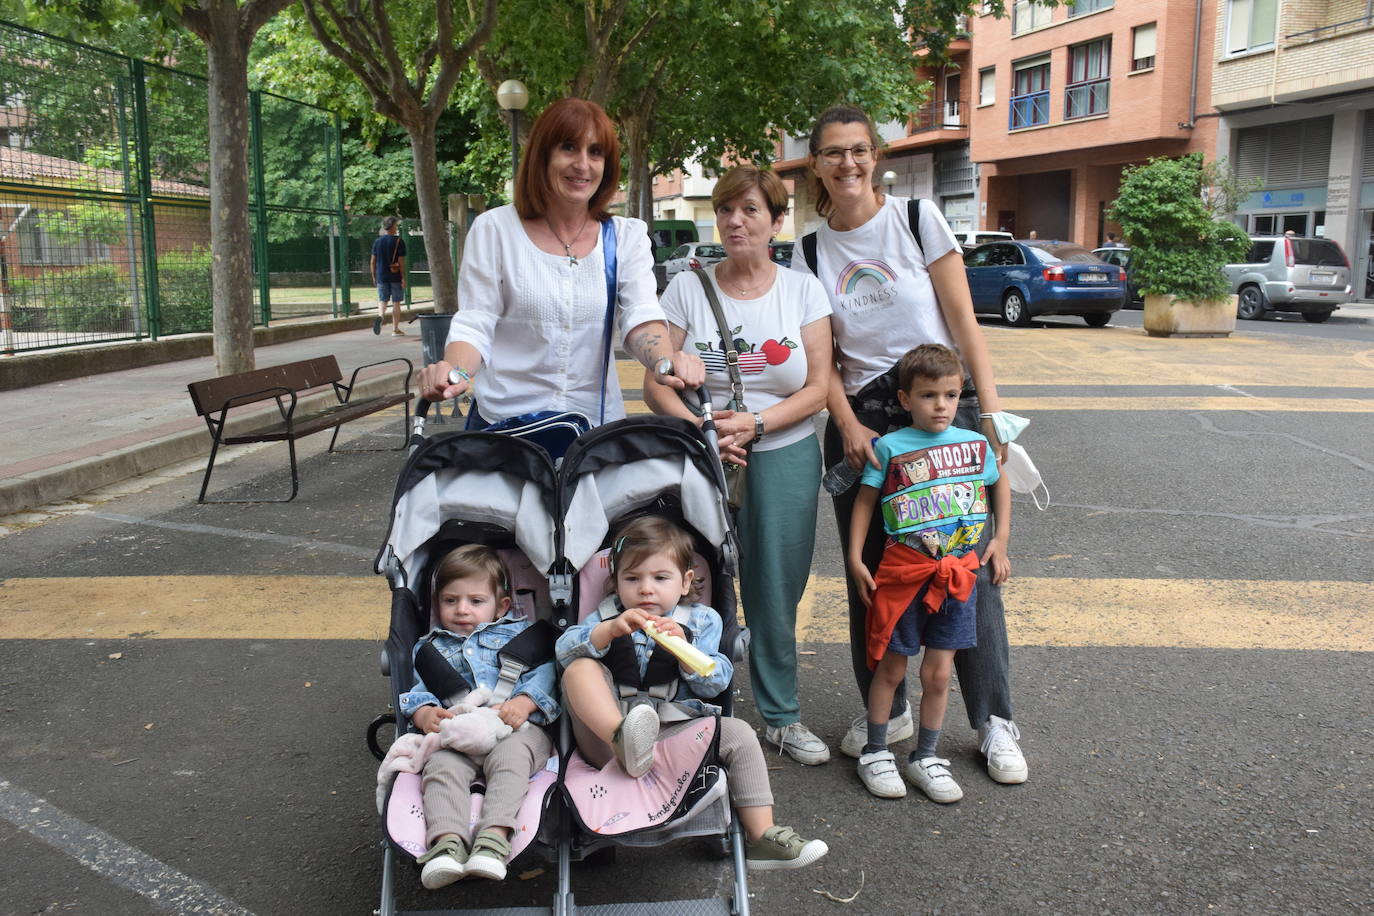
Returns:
(475,657)
(705,626)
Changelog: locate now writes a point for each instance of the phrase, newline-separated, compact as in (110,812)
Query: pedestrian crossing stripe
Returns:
(1041,611)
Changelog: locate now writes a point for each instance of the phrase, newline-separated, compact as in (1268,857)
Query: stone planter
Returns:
(1167,316)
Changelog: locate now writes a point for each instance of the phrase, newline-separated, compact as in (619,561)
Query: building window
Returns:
(1030,94)
(1083,7)
(1249,25)
(987,86)
(1143,47)
(1087,90)
(1027,15)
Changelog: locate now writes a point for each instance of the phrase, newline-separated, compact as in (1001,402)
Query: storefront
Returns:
(1301,211)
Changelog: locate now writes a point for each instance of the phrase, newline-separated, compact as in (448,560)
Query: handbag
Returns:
(735,474)
(395,267)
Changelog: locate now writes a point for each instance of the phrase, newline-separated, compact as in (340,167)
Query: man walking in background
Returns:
(388,272)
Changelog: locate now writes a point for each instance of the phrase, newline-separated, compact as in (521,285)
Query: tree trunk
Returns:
(432,222)
(638,154)
(231,241)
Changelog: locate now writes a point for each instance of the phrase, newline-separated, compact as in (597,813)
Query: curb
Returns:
(49,485)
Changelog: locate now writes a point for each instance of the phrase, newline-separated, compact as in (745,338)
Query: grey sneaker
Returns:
(488,858)
(879,774)
(780,848)
(377,325)
(633,742)
(443,864)
(931,775)
(898,729)
(798,742)
(1006,763)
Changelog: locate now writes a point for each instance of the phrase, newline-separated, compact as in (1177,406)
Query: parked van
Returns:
(669,234)
(1291,274)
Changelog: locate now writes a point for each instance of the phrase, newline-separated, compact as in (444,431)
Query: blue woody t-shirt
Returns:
(933,488)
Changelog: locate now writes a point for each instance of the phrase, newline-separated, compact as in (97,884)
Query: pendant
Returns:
(572,261)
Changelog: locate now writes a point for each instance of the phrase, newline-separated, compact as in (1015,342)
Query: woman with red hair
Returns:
(534,293)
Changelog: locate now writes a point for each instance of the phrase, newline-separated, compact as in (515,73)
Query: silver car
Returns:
(1291,274)
(692,256)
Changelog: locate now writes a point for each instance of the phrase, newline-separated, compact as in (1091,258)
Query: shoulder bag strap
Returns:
(913,222)
(727,341)
(809,252)
(608,253)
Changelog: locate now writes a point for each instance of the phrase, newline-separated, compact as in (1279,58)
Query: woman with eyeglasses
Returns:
(895,277)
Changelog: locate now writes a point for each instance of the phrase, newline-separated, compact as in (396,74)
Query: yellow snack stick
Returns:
(697,661)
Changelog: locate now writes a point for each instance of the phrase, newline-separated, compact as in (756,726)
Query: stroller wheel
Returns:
(380,733)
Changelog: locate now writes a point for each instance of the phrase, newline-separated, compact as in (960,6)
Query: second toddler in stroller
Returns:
(471,598)
(651,569)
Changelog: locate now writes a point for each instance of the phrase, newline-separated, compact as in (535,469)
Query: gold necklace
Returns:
(744,291)
(567,246)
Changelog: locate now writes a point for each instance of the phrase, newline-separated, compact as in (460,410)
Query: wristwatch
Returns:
(758,426)
(664,366)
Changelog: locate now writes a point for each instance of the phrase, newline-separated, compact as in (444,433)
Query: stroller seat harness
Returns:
(658,685)
(532,648)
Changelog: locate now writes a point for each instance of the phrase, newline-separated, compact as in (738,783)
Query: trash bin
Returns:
(433,334)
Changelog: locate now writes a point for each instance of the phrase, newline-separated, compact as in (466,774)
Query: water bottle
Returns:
(840,477)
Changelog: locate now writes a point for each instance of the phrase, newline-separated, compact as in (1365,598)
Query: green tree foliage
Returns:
(1173,213)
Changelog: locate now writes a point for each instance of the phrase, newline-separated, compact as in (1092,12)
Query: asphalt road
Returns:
(185,687)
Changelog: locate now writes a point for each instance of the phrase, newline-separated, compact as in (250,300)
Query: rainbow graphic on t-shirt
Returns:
(858,271)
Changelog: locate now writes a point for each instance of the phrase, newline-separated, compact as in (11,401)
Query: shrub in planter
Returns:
(1172,212)
(184,294)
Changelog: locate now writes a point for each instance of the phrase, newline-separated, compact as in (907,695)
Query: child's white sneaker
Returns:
(1006,763)
(488,857)
(443,864)
(931,775)
(899,728)
(633,742)
(878,771)
(781,848)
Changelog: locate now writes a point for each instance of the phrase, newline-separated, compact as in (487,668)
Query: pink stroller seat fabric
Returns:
(593,582)
(610,803)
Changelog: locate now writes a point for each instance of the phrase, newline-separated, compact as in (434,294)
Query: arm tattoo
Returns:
(643,345)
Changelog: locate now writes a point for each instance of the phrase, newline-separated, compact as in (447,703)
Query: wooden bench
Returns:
(215,397)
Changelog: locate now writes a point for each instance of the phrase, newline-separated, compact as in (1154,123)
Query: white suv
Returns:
(972,238)
(1291,274)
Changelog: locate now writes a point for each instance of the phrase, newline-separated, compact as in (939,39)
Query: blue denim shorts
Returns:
(954,626)
(396,292)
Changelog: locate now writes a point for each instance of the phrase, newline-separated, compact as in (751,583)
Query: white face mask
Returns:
(1006,426)
(1023,476)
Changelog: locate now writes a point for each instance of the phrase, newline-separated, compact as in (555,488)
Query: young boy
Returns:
(935,486)
(471,601)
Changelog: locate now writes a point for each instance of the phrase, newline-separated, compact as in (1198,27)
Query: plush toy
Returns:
(474,728)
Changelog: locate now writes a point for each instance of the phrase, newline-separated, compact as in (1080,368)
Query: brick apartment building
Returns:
(1066,96)
(1294,83)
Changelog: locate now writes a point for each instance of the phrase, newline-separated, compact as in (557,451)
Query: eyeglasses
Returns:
(834,155)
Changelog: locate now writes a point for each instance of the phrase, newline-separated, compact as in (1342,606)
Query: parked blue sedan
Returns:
(1026,278)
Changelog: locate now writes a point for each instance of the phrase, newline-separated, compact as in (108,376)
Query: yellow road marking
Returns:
(1186,613)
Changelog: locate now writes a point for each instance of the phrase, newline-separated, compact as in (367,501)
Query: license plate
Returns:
(1322,277)
(1092,278)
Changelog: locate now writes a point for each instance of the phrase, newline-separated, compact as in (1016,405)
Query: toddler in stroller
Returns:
(612,665)
(460,656)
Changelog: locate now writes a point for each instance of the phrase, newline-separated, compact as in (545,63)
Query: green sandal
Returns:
(488,857)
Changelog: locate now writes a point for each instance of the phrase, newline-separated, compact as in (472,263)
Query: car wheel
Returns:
(1252,305)
(1097,319)
(1014,311)
(1315,317)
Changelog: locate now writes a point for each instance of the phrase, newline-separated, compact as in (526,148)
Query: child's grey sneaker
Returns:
(798,742)
(898,729)
(878,771)
(780,848)
(443,864)
(633,742)
(1006,763)
(488,858)
(931,775)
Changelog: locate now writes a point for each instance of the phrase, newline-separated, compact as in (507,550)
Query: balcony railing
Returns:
(1086,99)
(1029,110)
(1336,28)
(947,114)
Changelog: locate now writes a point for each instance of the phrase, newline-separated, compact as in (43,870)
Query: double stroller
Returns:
(551,524)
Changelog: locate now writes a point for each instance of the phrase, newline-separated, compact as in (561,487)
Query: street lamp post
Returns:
(889,179)
(512,96)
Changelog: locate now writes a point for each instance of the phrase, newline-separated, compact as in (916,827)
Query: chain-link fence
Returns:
(105,199)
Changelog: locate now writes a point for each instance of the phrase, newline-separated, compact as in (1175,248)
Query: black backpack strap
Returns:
(913,222)
(809,252)
(439,677)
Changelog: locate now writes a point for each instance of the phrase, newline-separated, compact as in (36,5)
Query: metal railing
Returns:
(1029,110)
(945,114)
(1352,25)
(1085,99)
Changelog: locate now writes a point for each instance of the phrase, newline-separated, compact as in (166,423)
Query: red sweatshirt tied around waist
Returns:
(900,576)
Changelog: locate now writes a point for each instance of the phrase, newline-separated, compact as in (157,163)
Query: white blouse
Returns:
(538,321)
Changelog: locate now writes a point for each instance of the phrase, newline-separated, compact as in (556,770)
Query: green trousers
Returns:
(777,531)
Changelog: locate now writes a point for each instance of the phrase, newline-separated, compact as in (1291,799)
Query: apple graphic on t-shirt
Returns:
(776,352)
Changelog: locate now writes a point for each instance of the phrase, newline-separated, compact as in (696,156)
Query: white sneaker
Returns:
(898,729)
(1006,763)
(443,864)
(878,771)
(931,775)
(798,742)
(633,742)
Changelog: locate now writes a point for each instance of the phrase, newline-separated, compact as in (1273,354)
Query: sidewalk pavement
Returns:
(69,437)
